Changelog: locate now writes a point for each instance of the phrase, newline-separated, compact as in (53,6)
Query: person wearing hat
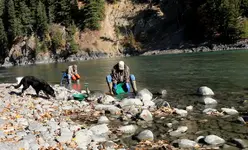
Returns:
(120,73)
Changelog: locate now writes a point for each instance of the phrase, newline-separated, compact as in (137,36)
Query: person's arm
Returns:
(76,71)
(126,74)
(114,76)
(70,70)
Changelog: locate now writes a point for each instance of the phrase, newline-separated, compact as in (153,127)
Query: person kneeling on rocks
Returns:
(72,73)
(120,73)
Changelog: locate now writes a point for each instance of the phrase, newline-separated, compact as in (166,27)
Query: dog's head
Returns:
(50,91)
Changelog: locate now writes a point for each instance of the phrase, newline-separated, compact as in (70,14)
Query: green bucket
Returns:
(120,89)
(79,96)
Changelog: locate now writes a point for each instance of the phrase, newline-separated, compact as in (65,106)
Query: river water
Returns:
(225,72)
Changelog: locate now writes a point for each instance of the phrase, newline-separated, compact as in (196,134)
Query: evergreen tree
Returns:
(63,12)
(32,5)
(244,7)
(94,13)
(12,23)
(3,42)
(3,36)
(25,18)
(41,19)
(50,9)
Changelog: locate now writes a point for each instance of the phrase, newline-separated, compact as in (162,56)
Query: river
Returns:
(225,72)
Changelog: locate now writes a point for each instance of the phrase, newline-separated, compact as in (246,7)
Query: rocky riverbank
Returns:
(104,122)
(82,56)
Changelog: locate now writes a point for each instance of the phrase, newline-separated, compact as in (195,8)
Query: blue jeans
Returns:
(109,80)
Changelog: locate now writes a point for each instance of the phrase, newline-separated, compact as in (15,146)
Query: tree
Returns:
(3,36)
(41,19)
(94,13)
(244,7)
(50,9)
(25,19)
(3,42)
(63,12)
(12,23)
(220,17)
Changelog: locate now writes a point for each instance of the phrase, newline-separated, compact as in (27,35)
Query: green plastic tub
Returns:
(120,89)
(79,96)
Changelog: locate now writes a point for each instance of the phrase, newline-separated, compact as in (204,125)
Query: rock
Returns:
(34,146)
(100,133)
(181,112)
(148,104)
(2,135)
(53,126)
(110,145)
(107,99)
(146,135)
(161,102)
(205,91)
(63,124)
(189,108)
(230,111)
(163,92)
(22,145)
(146,115)
(209,101)
(113,109)
(169,125)
(66,135)
(35,126)
(129,129)
(209,111)
(214,140)
(22,121)
(130,102)
(185,143)
(182,129)
(199,139)
(62,95)
(179,131)
(240,143)
(83,138)
(103,120)
(229,147)
(30,138)
(144,95)
(175,134)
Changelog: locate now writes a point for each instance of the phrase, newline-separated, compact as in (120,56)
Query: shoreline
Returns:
(101,55)
(31,122)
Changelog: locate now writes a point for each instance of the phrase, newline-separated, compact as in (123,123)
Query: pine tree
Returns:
(41,19)
(50,9)
(3,36)
(32,5)
(12,23)
(25,18)
(63,12)
(244,7)
(3,42)
(94,13)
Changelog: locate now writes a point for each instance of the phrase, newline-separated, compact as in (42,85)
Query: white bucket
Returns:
(19,80)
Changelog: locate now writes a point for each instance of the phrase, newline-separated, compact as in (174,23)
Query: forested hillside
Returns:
(61,28)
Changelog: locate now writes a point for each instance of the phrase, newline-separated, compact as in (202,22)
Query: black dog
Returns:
(37,84)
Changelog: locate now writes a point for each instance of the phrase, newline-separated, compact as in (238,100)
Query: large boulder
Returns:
(144,95)
(214,140)
(209,101)
(230,111)
(205,91)
(145,135)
